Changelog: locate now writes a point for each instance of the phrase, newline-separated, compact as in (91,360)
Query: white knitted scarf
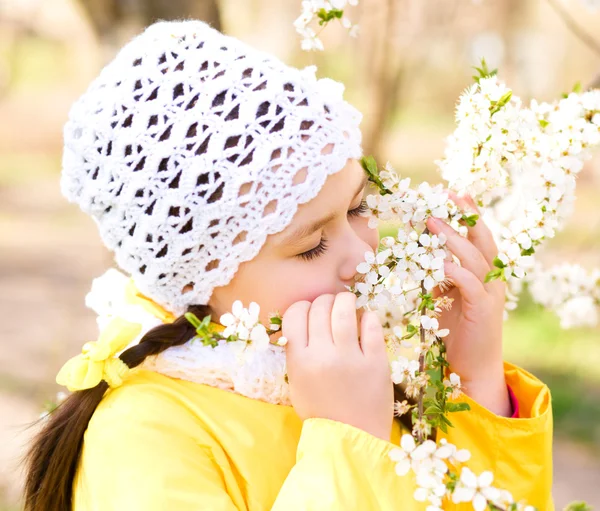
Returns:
(231,366)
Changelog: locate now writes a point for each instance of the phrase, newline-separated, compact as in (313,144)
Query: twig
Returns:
(421,370)
(574,27)
(421,436)
(595,84)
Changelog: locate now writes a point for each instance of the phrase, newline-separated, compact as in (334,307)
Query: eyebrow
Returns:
(306,230)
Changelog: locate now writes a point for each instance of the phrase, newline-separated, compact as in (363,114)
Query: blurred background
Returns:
(405,71)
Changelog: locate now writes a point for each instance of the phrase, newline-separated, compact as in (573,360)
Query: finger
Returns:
(294,325)
(319,319)
(470,287)
(469,255)
(480,234)
(343,321)
(371,335)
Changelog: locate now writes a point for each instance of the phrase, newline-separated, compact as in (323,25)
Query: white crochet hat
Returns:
(191,147)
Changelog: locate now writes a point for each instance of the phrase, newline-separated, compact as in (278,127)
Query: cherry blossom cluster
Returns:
(431,464)
(413,255)
(521,164)
(322,12)
(569,290)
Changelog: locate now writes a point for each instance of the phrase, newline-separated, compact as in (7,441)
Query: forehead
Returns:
(334,197)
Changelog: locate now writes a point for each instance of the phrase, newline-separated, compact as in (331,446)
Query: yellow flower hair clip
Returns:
(97,360)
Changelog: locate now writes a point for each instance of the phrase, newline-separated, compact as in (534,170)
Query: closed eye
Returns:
(314,252)
(362,208)
(322,246)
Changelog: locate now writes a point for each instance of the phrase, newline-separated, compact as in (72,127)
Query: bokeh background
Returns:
(404,71)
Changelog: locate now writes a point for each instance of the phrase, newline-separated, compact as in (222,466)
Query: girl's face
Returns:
(317,253)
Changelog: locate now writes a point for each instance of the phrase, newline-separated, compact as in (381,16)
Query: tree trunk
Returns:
(108,17)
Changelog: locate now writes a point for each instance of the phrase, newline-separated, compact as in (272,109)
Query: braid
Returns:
(164,336)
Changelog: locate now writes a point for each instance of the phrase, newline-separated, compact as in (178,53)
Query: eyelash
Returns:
(362,208)
(322,246)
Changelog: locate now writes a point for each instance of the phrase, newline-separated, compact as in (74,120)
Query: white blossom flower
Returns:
(245,325)
(475,489)
(453,383)
(401,407)
(310,14)
(404,369)
(372,296)
(431,326)
(514,262)
(402,456)
(374,266)
(432,271)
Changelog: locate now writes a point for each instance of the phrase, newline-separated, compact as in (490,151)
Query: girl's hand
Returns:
(332,374)
(474,345)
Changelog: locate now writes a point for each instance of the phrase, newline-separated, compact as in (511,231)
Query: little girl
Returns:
(216,173)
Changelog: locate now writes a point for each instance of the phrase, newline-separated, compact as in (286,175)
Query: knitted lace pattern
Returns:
(191,147)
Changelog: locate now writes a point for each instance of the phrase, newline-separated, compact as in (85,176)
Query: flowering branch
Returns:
(521,163)
(499,148)
(325,11)
(241,325)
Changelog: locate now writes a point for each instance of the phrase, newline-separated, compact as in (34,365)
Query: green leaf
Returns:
(470,220)
(193,319)
(209,341)
(498,263)
(369,164)
(493,275)
(577,88)
(483,71)
(205,322)
(443,426)
(326,16)
(428,358)
(276,320)
(411,328)
(543,123)
(445,420)
(527,252)
(438,383)
(498,105)
(578,506)
(503,101)
(457,407)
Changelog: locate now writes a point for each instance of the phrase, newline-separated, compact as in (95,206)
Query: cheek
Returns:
(300,280)
(369,236)
(275,285)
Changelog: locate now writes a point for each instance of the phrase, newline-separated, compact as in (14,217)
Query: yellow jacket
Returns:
(158,443)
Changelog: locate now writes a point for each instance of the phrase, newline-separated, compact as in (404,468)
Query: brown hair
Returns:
(52,459)
(51,462)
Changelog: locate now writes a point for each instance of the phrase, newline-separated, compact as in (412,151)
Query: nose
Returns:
(359,240)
